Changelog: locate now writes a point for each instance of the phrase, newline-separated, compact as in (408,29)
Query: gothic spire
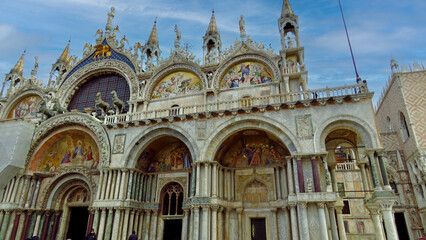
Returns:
(65,56)
(153,38)
(286,11)
(212,26)
(19,67)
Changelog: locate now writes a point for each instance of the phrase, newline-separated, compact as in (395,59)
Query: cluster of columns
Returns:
(127,184)
(22,190)
(118,223)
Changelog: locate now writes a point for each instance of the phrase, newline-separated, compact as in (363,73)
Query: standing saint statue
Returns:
(178,36)
(108,27)
(242,28)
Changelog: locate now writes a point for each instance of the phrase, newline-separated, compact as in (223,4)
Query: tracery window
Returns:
(86,94)
(172,200)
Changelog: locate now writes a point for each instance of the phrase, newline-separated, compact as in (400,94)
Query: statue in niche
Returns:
(290,42)
(34,71)
(309,187)
(178,37)
(149,64)
(242,27)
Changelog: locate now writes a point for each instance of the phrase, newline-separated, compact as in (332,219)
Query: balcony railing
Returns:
(244,103)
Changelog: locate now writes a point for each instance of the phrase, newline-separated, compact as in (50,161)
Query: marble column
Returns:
(147,224)
(323,221)
(117,224)
(130,186)
(205,223)
(90,224)
(100,183)
(24,191)
(30,193)
(215,183)
(327,174)
(384,173)
(198,174)
(365,183)
(136,221)
(275,224)
(117,184)
(131,222)
(277,182)
(333,178)
(293,217)
(24,229)
(5,223)
(374,172)
(315,173)
(214,223)
(375,217)
(101,231)
(290,177)
(6,192)
(36,191)
(388,217)
(125,223)
(196,223)
(108,226)
(16,224)
(20,188)
(153,233)
(240,223)
(37,223)
(220,224)
(123,184)
(109,185)
(55,225)
(23,220)
(96,221)
(141,223)
(341,224)
(332,216)
(113,184)
(185,224)
(45,226)
(104,183)
(191,224)
(301,178)
(295,176)
(1,217)
(303,220)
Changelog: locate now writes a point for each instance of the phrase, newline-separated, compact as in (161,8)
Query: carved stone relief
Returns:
(304,126)
(119,142)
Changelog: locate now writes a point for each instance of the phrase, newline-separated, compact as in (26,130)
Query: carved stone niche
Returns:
(178,177)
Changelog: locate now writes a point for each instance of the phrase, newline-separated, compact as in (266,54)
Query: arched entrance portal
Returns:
(69,200)
(172,199)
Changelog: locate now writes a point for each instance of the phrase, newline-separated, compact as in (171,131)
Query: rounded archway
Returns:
(251,148)
(164,154)
(72,146)
(85,96)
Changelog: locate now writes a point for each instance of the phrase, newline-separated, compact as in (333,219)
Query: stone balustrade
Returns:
(320,95)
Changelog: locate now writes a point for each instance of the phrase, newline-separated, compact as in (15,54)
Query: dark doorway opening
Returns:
(78,223)
(401,226)
(258,229)
(172,229)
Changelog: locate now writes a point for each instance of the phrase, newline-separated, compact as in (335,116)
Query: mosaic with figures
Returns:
(250,148)
(26,107)
(246,74)
(175,156)
(176,84)
(72,150)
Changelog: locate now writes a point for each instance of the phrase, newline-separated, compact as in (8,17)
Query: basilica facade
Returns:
(229,146)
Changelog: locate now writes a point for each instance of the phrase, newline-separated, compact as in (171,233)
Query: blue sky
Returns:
(378,30)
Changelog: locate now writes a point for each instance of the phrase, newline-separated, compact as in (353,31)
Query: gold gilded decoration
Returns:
(176,84)
(74,149)
(246,74)
(26,107)
(175,156)
(102,51)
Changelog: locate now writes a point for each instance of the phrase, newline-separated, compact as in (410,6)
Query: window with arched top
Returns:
(403,127)
(172,200)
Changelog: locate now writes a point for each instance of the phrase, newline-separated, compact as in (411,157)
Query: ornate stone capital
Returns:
(302,205)
(320,204)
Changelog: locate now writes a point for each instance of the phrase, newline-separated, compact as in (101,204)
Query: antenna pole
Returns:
(349,41)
